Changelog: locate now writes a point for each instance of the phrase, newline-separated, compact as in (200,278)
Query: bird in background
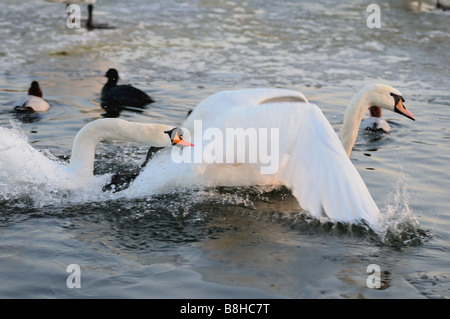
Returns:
(115,98)
(33,102)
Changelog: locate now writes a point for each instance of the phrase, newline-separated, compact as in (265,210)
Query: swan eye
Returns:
(397,98)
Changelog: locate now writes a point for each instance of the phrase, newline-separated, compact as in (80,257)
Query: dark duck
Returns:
(117,97)
(33,102)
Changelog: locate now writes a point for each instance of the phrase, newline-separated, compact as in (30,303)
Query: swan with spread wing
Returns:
(312,161)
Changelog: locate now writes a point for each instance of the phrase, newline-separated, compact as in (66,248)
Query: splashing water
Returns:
(30,176)
(399,227)
(34,176)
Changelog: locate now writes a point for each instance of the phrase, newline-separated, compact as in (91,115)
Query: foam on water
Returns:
(29,174)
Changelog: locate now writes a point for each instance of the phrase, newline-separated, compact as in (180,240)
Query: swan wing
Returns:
(211,107)
(307,154)
(311,159)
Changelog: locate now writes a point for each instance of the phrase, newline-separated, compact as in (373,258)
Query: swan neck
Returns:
(83,150)
(354,114)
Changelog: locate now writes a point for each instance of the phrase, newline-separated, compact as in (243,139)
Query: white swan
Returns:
(379,95)
(312,161)
(21,164)
(81,166)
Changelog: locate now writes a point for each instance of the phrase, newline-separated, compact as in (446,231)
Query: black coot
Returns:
(115,97)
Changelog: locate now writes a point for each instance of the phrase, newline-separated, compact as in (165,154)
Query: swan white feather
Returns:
(21,163)
(313,162)
(209,109)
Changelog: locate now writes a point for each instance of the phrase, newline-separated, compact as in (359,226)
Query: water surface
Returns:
(239,242)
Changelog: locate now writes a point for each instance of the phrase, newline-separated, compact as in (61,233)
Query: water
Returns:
(239,242)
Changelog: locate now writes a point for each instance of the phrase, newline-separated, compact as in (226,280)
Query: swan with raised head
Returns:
(33,102)
(379,95)
(313,162)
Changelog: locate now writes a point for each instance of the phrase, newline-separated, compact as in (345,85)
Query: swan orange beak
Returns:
(176,137)
(180,141)
(401,109)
